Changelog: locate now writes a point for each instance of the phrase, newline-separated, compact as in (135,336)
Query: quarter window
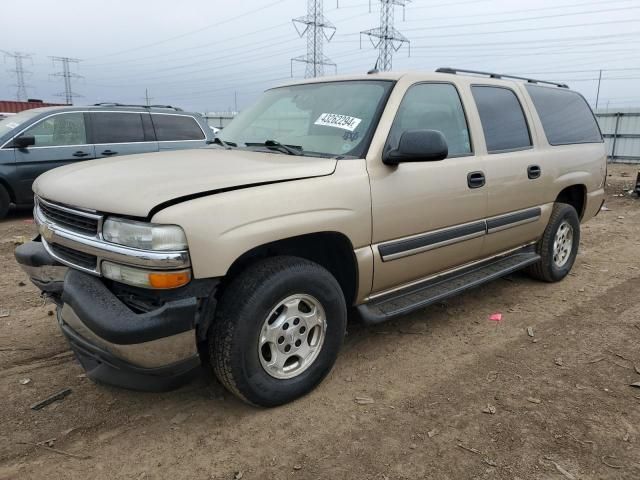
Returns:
(176,128)
(503,122)
(433,106)
(565,115)
(59,130)
(113,127)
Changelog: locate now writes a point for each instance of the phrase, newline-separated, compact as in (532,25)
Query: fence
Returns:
(621,132)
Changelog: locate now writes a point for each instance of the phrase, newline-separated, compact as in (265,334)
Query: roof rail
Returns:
(499,75)
(116,104)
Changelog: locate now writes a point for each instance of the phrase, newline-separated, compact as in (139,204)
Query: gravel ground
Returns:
(455,396)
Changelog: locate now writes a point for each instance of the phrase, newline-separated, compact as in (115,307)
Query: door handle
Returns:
(533,172)
(80,153)
(475,179)
(109,152)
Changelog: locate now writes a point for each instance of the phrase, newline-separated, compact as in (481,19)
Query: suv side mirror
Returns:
(24,142)
(418,146)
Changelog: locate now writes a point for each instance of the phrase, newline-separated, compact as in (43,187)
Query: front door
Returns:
(59,139)
(427,216)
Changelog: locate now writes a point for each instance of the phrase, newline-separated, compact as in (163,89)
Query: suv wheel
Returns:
(558,246)
(277,331)
(5,201)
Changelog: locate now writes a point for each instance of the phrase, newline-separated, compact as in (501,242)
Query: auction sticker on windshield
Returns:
(335,120)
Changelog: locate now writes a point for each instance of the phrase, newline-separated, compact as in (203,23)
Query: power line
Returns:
(317,28)
(388,40)
(20,73)
(192,32)
(67,75)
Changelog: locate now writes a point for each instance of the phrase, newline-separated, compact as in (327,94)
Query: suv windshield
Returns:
(326,119)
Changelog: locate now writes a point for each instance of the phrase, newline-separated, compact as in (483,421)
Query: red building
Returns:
(9,106)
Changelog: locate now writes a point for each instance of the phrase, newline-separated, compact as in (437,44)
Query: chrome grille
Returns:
(86,224)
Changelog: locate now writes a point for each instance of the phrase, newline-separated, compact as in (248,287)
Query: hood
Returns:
(135,184)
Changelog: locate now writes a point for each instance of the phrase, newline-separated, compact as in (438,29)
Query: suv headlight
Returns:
(142,235)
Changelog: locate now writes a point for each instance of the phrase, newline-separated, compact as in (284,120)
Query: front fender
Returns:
(222,227)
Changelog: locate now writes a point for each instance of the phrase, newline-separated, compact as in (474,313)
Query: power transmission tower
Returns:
(147,98)
(317,29)
(20,74)
(67,75)
(386,38)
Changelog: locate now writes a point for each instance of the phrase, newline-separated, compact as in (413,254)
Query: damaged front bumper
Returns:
(117,343)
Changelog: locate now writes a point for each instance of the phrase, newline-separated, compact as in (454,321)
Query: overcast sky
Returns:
(198,54)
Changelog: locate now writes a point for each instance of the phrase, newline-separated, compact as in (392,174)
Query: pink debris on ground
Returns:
(495,317)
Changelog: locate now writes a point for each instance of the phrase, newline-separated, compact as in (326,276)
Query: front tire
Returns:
(558,246)
(277,330)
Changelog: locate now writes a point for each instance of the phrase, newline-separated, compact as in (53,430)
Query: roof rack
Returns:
(499,75)
(115,104)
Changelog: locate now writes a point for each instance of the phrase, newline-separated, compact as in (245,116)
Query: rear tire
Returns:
(558,246)
(277,330)
(5,202)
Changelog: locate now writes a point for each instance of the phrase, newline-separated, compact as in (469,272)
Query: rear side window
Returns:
(115,127)
(565,116)
(176,128)
(503,122)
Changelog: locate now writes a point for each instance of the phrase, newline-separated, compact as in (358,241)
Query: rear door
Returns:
(175,131)
(122,133)
(60,138)
(516,181)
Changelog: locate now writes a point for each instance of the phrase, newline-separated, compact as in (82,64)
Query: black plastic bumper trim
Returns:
(33,254)
(105,314)
(102,366)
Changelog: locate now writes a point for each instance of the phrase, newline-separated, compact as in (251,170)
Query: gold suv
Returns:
(384,192)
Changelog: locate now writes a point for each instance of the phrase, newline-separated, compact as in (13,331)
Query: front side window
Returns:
(113,127)
(565,115)
(503,122)
(433,106)
(59,130)
(176,128)
(323,119)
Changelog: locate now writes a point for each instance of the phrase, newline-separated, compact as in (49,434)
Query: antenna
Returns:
(317,29)
(386,38)
(67,75)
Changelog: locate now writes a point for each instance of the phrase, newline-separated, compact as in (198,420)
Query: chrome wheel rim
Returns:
(563,244)
(292,336)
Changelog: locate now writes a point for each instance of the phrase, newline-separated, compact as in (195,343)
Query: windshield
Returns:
(326,119)
(14,121)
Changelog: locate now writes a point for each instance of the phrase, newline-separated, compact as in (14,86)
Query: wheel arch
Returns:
(332,250)
(574,195)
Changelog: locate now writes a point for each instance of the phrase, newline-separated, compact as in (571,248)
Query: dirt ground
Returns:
(455,396)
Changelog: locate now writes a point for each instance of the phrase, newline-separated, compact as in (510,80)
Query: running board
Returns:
(436,289)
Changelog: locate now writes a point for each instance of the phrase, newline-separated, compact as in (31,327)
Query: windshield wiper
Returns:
(275,145)
(219,141)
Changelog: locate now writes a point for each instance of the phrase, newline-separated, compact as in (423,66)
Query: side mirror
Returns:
(24,142)
(418,146)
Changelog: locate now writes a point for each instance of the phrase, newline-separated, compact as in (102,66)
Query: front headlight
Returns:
(142,235)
